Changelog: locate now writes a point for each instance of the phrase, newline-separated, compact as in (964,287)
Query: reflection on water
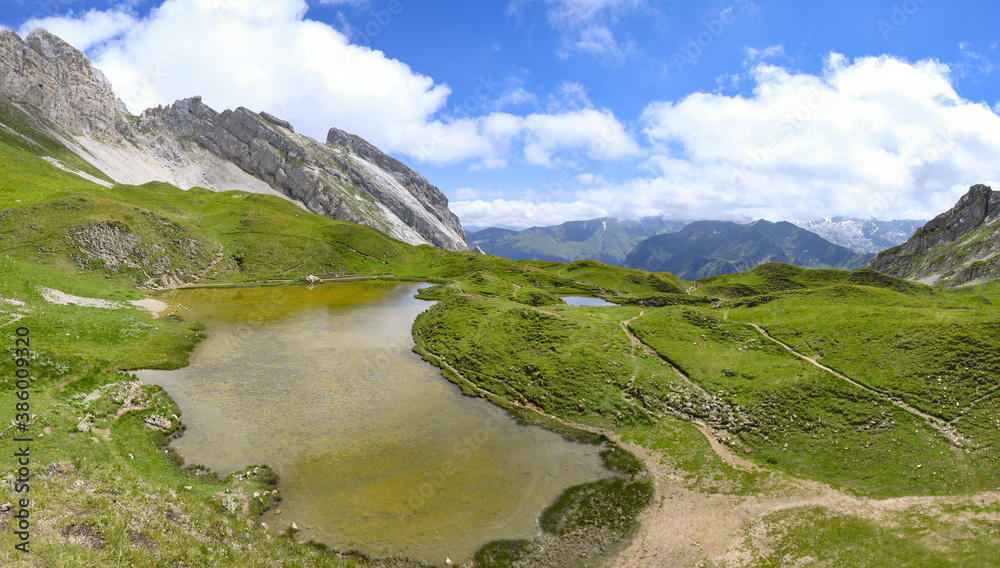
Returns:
(376,451)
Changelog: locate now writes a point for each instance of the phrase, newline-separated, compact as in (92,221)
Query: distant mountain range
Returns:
(607,239)
(861,235)
(708,248)
(958,247)
(611,240)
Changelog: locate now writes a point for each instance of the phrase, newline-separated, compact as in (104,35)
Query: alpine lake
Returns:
(375,450)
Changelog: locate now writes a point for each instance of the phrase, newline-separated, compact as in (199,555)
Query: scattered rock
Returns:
(157,422)
(84,425)
(175,517)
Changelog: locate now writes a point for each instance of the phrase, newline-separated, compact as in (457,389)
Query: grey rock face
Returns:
(118,249)
(51,75)
(960,246)
(345,179)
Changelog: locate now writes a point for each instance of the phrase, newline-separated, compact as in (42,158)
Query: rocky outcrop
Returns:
(53,76)
(189,144)
(346,179)
(958,247)
(420,204)
(176,261)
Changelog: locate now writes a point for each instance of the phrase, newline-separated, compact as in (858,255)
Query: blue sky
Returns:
(535,112)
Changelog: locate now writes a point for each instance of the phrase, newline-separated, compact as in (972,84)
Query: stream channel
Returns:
(375,450)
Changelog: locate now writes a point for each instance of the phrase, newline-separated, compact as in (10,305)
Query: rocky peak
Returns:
(341,179)
(56,78)
(979,205)
(957,247)
(188,143)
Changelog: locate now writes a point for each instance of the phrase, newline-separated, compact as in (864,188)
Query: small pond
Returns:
(585,301)
(375,450)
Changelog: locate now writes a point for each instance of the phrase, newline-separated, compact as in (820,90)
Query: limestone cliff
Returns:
(189,144)
(958,247)
(345,179)
(51,75)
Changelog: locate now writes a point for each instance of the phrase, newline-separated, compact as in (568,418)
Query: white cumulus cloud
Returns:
(266,56)
(86,30)
(875,137)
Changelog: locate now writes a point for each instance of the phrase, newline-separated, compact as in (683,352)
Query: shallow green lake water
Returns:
(375,450)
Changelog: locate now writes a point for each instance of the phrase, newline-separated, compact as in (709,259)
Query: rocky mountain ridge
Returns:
(958,247)
(189,144)
(862,235)
(607,239)
(709,248)
(610,239)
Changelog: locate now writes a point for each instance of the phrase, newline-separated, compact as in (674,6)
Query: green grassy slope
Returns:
(62,232)
(499,331)
(776,277)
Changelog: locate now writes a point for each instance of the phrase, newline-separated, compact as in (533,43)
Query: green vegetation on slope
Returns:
(103,487)
(645,369)
(790,413)
(777,277)
(816,536)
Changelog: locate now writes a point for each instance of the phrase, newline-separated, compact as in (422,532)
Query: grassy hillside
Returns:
(777,277)
(636,370)
(903,401)
(61,232)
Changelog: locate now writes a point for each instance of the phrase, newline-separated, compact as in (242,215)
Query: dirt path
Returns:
(635,344)
(686,528)
(218,258)
(973,404)
(649,350)
(932,421)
